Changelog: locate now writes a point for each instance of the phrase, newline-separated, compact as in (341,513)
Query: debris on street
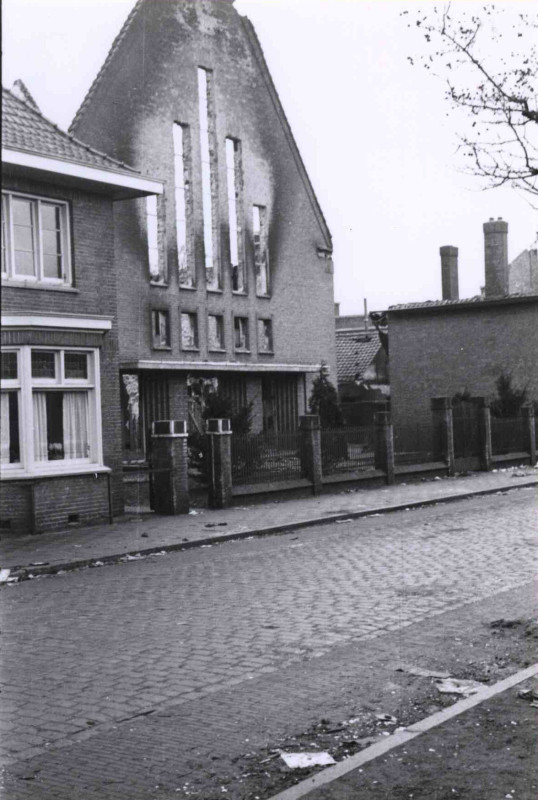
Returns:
(421,672)
(455,686)
(303,760)
(4,575)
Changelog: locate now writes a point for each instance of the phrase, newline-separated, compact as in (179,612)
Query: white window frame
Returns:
(9,275)
(25,384)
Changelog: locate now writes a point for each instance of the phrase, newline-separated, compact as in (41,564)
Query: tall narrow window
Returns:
(181,184)
(265,336)
(234,179)
(207,150)
(241,341)
(215,332)
(160,322)
(259,233)
(189,331)
(155,270)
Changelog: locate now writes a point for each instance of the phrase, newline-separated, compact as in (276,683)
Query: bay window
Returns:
(35,240)
(50,409)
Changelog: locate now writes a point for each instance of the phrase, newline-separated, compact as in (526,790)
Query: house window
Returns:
(49,409)
(189,331)
(160,326)
(209,187)
(260,250)
(35,240)
(241,341)
(182,186)
(265,336)
(156,267)
(233,175)
(215,332)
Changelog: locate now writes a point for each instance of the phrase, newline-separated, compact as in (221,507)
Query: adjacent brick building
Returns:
(60,410)
(228,275)
(441,348)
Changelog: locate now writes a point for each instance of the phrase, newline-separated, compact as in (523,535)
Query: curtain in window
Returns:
(75,423)
(40,426)
(4,428)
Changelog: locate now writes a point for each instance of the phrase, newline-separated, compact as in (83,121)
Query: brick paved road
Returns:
(91,648)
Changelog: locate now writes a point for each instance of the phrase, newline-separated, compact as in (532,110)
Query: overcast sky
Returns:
(373,130)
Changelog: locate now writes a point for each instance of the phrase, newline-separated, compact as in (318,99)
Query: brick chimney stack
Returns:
(449,272)
(496,257)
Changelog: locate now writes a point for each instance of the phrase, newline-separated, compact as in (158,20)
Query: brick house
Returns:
(60,453)
(444,347)
(227,277)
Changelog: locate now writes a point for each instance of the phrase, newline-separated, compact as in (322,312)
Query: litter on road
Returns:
(302,760)
(4,575)
(455,686)
(422,673)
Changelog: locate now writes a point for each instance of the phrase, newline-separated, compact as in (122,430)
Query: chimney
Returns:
(337,309)
(449,272)
(496,257)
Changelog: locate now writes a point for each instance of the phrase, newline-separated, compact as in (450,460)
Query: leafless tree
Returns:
(489,63)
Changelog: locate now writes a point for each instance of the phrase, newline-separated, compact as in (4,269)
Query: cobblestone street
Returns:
(200,640)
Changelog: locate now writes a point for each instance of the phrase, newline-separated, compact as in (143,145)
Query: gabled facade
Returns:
(60,454)
(227,276)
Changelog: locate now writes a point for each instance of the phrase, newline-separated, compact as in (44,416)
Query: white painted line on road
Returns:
(380,748)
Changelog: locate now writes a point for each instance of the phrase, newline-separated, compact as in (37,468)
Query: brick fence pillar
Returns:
(219,433)
(484,421)
(444,423)
(309,427)
(170,466)
(530,431)
(384,444)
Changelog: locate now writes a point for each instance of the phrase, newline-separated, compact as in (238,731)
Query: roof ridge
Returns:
(37,111)
(111,53)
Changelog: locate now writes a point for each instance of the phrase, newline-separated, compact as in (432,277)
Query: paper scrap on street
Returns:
(4,575)
(302,760)
(455,686)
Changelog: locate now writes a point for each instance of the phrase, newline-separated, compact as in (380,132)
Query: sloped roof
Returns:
(354,353)
(260,57)
(24,128)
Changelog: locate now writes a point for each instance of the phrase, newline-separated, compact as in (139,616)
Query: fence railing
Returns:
(508,435)
(417,444)
(347,449)
(265,457)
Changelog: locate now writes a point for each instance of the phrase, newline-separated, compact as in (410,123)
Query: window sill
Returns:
(53,287)
(159,284)
(239,294)
(242,351)
(213,291)
(65,471)
(188,288)
(191,349)
(263,296)
(162,347)
(217,350)
(266,352)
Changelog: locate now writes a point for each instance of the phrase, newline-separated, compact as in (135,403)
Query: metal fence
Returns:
(417,444)
(265,457)
(347,449)
(508,435)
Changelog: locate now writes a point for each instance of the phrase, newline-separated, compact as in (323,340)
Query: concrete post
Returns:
(384,444)
(309,426)
(530,425)
(219,433)
(442,412)
(485,435)
(170,467)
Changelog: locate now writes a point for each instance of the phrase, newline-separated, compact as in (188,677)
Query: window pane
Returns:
(23,236)
(24,263)
(43,364)
(61,426)
(22,211)
(265,336)
(9,428)
(52,243)
(189,333)
(76,365)
(161,329)
(9,366)
(50,217)
(75,425)
(52,266)
(215,333)
(133,432)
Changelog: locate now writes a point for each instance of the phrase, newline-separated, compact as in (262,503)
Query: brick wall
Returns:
(523,273)
(444,351)
(93,292)
(130,115)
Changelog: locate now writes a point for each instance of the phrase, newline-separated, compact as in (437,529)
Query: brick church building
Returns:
(227,276)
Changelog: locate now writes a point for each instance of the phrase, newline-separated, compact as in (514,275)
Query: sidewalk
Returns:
(489,751)
(147,534)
